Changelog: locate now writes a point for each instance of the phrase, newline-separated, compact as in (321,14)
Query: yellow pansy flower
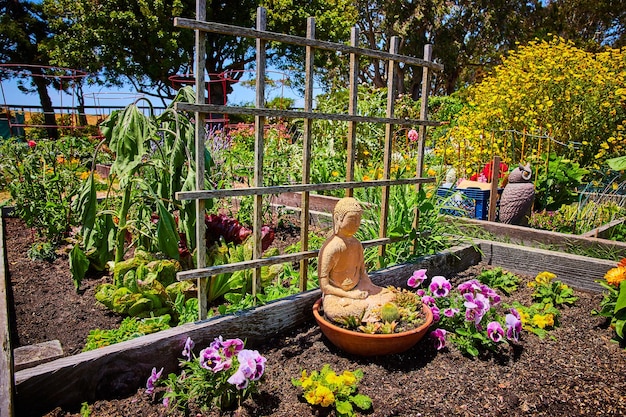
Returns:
(543,320)
(324,396)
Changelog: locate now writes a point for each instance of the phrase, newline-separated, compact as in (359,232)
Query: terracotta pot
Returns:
(364,344)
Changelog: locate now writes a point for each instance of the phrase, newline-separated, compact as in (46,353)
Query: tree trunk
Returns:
(46,104)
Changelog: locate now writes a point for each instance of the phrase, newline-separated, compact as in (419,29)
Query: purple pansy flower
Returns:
(450,312)
(238,379)
(188,347)
(440,338)
(232,347)
(428,300)
(513,325)
(154,377)
(469,286)
(251,368)
(440,286)
(436,313)
(420,292)
(217,343)
(210,358)
(494,331)
(417,278)
(476,307)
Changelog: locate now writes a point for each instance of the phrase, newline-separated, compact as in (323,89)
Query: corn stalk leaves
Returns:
(167,233)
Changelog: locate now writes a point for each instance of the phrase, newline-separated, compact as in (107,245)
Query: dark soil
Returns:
(577,371)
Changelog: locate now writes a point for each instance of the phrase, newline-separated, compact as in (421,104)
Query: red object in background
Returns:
(487,169)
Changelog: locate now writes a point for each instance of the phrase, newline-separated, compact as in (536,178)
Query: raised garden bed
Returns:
(581,357)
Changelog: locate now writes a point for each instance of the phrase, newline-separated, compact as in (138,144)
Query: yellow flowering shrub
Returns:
(545,88)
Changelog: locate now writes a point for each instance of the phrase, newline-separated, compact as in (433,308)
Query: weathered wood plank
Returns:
(6,361)
(280,189)
(534,237)
(576,271)
(299,114)
(296,40)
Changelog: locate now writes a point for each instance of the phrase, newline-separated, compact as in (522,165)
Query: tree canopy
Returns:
(136,42)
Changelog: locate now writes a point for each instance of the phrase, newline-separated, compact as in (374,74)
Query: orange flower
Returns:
(622,262)
(615,275)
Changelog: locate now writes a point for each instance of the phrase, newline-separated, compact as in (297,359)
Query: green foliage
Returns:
(42,180)
(433,233)
(551,291)
(576,218)
(327,389)
(85,410)
(556,184)
(144,286)
(42,251)
(499,279)
(130,328)
(154,160)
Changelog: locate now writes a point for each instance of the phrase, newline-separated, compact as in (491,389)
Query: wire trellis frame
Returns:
(202,273)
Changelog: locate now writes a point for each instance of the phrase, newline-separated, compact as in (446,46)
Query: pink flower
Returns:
(413,136)
(417,278)
(32,143)
(439,336)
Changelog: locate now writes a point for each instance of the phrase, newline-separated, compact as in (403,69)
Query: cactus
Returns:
(389,313)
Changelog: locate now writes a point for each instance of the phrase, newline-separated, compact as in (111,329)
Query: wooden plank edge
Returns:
(6,360)
(534,237)
(579,272)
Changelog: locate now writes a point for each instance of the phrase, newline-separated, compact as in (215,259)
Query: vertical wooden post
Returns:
(352,109)
(306,152)
(419,172)
(493,196)
(259,125)
(391,96)
(7,378)
(199,145)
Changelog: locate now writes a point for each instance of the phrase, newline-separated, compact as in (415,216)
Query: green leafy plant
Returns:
(42,183)
(222,375)
(499,279)
(327,389)
(613,304)
(42,251)
(144,286)
(551,291)
(154,160)
(129,328)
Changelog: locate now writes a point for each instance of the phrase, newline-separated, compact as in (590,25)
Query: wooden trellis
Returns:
(203,273)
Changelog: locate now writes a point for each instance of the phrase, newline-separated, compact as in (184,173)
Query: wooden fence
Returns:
(203,273)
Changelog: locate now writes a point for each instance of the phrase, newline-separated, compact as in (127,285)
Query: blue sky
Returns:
(101,96)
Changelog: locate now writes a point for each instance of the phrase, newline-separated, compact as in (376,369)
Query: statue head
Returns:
(342,208)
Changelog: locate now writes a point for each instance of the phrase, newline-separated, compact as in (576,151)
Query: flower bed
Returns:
(283,333)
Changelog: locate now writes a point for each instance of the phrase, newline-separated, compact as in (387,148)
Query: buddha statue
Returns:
(346,287)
